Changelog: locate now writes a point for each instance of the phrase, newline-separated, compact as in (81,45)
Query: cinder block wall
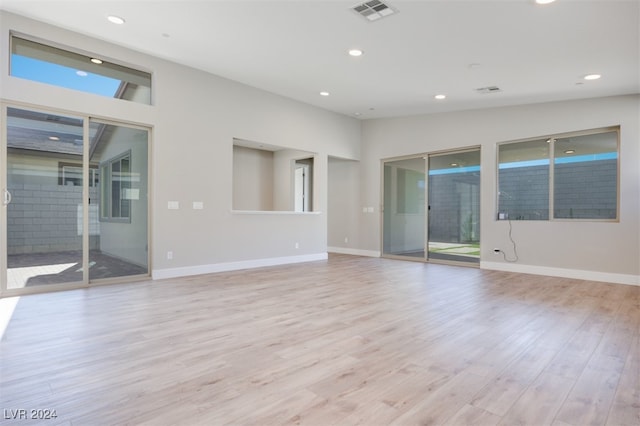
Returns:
(455,207)
(45,219)
(582,189)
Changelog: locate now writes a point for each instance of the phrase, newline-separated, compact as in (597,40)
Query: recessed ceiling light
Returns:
(115,19)
(544,1)
(570,151)
(454,164)
(82,73)
(592,76)
(355,52)
(54,138)
(357,114)
(324,93)
(96,61)
(440,97)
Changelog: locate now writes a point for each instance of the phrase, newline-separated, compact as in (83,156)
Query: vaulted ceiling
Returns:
(298,48)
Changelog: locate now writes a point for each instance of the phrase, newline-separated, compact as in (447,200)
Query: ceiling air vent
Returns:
(373,10)
(488,89)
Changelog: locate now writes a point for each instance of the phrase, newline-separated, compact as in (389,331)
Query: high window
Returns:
(569,176)
(39,62)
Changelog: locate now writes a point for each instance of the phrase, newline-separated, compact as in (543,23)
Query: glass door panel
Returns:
(404,208)
(118,206)
(454,207)
(43,199)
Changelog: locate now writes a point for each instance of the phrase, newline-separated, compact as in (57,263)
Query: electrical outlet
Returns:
(346,239)
(297,245)
(169,255)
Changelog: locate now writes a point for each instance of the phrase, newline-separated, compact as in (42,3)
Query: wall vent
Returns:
(373,10)
(488,89)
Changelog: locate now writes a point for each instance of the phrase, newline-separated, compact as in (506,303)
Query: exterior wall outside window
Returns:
(450,220)
(586,190)
(524,192)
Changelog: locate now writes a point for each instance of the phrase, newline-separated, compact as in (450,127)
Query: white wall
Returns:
(344,209)
(252,179)
(195,118)
(604,250)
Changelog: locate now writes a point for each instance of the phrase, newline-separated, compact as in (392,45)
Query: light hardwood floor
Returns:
(348,341)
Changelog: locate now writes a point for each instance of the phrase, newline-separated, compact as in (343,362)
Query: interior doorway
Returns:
(303,175)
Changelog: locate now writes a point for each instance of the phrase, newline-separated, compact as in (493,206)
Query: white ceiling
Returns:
(298,48)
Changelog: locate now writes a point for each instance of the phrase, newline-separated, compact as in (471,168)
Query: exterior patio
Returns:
(26,270)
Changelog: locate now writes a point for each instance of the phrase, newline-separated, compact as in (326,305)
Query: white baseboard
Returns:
(498,266)
(159,274)
(608,277)
(354,252)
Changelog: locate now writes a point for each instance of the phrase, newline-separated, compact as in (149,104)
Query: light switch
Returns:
(174,205)
(369,209)
(198,205)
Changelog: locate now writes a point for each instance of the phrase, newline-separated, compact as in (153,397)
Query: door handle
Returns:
(7,197)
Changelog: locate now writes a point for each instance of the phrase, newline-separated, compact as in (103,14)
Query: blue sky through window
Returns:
(588,157)
(529,163)
(561,160)
(59,75)
(467,169)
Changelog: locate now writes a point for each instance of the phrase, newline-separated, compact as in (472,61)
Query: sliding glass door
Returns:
(118,207)
(454,207)
(431,207)
(404,208)
(43,199)
(71,211)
